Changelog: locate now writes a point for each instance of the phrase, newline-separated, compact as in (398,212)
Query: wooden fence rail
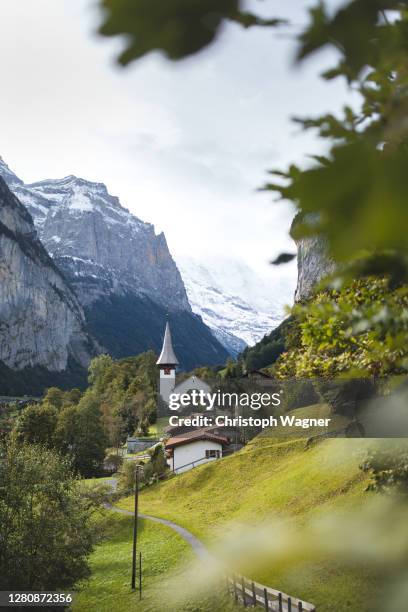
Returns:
(251,593)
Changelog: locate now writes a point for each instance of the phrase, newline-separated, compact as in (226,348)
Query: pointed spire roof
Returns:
(167,355)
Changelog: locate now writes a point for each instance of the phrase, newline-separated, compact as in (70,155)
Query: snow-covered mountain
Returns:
(126,278)
(121,271)
(237,304)
(91,236)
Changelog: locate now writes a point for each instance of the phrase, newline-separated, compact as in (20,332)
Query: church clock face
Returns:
(167,371)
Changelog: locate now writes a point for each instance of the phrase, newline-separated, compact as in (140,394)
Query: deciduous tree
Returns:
(46,528)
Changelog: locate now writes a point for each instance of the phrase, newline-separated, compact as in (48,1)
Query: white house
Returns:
(188,450)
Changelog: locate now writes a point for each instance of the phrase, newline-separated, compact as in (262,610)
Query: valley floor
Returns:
(241,507)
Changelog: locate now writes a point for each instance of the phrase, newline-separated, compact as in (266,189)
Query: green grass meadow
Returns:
(166,560)
(286,479)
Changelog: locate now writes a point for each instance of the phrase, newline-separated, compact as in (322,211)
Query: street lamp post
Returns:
(135,517)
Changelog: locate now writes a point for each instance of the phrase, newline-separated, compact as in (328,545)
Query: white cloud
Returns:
(184,145)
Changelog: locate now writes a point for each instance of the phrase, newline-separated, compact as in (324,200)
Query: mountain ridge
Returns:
(84,228)
(109,256)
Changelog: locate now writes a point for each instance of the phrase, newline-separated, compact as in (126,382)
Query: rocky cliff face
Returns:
(314,264)
(99,245)
(41,321)
(122,272)
(313,261)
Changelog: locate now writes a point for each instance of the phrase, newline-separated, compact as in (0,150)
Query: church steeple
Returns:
(167,363)
(167,355)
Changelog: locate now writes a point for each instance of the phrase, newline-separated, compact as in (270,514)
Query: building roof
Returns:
(167,355)
(195,436)
(192,383)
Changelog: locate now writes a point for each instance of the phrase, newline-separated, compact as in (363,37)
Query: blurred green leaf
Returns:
(354,30)
(178,28)
(359,199)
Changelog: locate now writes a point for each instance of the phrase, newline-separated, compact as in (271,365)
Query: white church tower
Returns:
(167,363)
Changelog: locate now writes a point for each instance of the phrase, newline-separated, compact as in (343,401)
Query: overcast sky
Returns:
(184,145)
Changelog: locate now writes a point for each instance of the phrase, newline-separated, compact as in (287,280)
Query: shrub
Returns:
(387,462)
(47,530)
(299,393)
(113,462)
(360,331)
(127,472)
(345,395)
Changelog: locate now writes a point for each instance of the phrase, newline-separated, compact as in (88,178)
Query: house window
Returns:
(212,454)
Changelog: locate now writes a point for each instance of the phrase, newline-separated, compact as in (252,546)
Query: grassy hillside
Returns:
(270,475)
(165,559)
(275,477)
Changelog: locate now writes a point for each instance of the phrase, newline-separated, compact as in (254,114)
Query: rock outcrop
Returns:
(41,320)
(314,264)
(99,245)
(313,260)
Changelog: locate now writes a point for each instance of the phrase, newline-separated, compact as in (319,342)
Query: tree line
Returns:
(120,401)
